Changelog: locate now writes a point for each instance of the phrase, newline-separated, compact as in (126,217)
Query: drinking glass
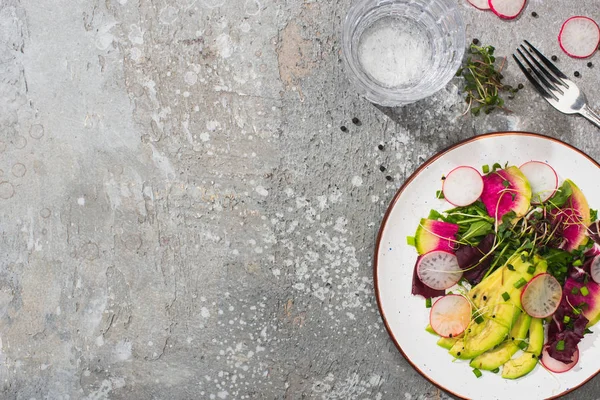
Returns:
(399,51)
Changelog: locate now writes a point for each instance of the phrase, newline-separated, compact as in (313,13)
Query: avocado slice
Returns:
(499,314)
(536,336)
(494,358)
(519,366)
(447,343)
(524,364)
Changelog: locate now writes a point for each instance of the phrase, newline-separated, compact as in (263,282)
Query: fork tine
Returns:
(548,86)
(545,71)
(548,63)
(533,81)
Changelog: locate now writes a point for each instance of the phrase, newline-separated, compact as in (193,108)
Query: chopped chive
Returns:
(560,345)
(531,269)
(479,319)
(428,302)
(495,370)
(485,169)
(510,267)
(577,263)
(522,345)
(575,290)
(566,319)
(477,372)
(410,240)
(584,291)
(496,166)
(439,194)
(576,311)
(520,283)
(505,296)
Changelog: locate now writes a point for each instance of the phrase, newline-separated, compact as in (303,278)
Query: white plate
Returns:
(405,315)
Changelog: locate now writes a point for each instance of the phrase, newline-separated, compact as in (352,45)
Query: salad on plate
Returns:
(510,273)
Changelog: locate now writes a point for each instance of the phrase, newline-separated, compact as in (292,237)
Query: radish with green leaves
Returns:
(542,178)
(462,186)
(439,269)
(542,295)
(450,315)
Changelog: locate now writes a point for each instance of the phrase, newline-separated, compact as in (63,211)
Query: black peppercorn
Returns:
(356,121)
(343,128)
(475,41)
(520,86)
(534,14)
(554,58)
(382,168)
(389,178)
(380,147)
(577,74)
(590,65)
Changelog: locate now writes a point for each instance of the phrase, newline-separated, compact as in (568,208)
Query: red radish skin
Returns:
(541,296)
(579,37)
(439,270)
(462,186)
(507,9)
(542,178)
(556,366)
(481,4)
(450,315)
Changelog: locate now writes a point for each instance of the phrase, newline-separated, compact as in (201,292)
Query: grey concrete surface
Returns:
(181,216)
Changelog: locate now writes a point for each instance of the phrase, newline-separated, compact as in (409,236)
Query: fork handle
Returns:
(591,115)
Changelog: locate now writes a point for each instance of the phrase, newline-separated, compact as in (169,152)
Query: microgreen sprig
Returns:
(483,82)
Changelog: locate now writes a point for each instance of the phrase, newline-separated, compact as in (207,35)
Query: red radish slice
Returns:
(439,269)
(579,37)
(542,295)
(542,178)
(462,186)
(595,269)
(481,4)
(556,366)
(450,315)
(507,9)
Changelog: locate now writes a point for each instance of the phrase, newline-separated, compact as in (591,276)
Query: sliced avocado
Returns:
(494,358)
(519,366)
(490,336)
(536,337)
(447,343)
(459,351)
(499,314)
(429,329)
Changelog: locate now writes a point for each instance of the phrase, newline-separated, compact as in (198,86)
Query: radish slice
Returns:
(579,37)
(450,315)
(595,269)
(462,186)
(439,269)
(542,178)
(481,4)
(507,9)
(556,366)
(542,295)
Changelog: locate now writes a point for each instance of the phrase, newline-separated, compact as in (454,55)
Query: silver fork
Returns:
(562,93)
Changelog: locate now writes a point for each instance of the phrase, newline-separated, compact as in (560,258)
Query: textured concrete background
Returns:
(181,216)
